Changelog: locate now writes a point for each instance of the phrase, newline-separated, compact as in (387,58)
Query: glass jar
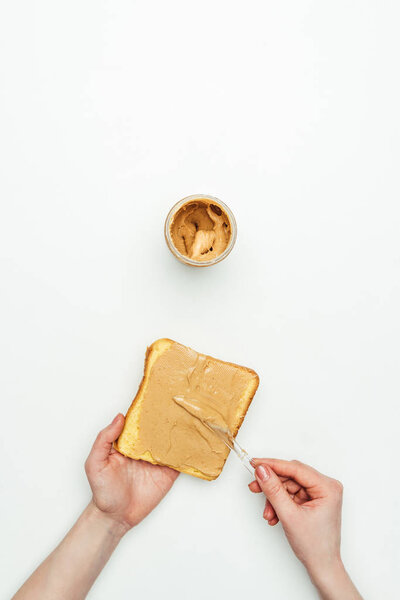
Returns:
(213,202)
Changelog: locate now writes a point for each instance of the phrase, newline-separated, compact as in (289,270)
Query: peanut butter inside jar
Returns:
(200,230)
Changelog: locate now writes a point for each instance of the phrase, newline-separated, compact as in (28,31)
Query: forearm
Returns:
(71,569)
(334,583)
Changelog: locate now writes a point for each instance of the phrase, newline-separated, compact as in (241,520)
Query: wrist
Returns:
(332,581)
(114,527)
(326,571)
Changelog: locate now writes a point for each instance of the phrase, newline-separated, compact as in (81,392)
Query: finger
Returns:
(269,512)
(254,487)
(291,486)
(302,495)
(273,489)
(283,478)
(104,441)
(273,521)
(299,500)
(305,475)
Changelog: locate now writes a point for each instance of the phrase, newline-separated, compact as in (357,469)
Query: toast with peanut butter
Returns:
(158,430)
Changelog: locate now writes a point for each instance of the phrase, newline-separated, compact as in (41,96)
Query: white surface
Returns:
(288,111)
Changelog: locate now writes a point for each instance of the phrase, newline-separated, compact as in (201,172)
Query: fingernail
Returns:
(115,419)
(262,473)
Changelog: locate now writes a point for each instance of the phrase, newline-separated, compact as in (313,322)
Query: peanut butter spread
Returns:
(200,230)
(205,412)
(168,432)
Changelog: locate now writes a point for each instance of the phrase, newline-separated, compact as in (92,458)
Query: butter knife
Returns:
(232,444)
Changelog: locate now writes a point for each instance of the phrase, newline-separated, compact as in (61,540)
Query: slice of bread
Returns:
(160,431)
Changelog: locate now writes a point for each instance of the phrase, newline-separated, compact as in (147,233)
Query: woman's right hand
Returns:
(309,506)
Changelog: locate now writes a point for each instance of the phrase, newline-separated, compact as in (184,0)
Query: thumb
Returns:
(104,441)
(273,489)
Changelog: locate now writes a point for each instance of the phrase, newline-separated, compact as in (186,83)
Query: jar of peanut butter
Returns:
(200,230)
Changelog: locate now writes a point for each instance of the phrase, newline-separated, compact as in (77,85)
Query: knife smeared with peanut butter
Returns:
(204,412)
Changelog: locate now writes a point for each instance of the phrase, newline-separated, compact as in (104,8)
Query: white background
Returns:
(110,112)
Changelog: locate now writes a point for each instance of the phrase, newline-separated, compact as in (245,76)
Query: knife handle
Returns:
(243,456)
